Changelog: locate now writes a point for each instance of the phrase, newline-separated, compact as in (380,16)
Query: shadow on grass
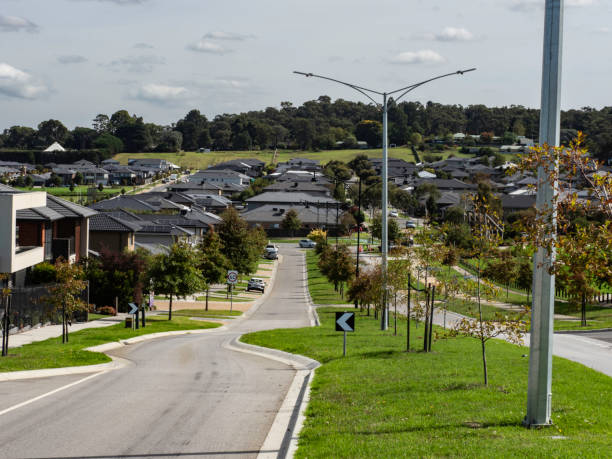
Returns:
(440,427)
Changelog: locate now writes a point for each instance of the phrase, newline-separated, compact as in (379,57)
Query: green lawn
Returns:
(52,353)
(380,401)
(200,313)
(321,291)
(193,160)
(226,300)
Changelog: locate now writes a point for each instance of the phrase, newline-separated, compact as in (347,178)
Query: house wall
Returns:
(113,241)
(10,261)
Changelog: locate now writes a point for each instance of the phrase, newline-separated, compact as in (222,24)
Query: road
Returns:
(182,396)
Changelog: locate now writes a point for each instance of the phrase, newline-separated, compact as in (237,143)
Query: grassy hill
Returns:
(195,160)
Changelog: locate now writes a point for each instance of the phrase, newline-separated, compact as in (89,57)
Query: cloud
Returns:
(137,64)
(531,5)
(604,30)
(143,46)
(71,59)
(425,56)
(118,2)
(227,36)
(454,34)
(161,94)
(19,84)
(207,46)
(15,24)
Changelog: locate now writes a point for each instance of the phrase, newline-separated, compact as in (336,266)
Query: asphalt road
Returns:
(186,396)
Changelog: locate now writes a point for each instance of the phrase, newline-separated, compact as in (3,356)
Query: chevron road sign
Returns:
(345,321)
(133,309)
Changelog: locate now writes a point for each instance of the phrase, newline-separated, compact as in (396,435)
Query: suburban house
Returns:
(40,227)
(249,166)
(220,177)
(311,188)
(270,218)
(107,232)
(156,164)
(282,199)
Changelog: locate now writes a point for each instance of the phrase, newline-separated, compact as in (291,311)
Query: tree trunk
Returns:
(207,290)
(583,321)
(170,308)
(144,322)
(64,324)
(482,339)
(484,361)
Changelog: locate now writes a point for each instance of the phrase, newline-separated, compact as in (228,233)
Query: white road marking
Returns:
(55,391)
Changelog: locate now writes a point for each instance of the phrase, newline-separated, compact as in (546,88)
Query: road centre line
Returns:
(54,391)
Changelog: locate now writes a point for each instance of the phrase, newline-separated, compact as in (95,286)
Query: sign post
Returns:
(345,322)
(133,311)
(232,279)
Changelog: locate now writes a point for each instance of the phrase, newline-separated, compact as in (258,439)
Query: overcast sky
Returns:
(73,59)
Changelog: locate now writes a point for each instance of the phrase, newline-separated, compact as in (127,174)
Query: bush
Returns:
(42,273)
(107,310)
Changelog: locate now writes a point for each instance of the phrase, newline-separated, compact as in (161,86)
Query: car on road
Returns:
(394,214)
(271,255)
(256,283)
(307,244)
(410,224)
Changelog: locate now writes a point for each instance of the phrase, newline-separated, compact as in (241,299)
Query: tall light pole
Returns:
(384,316)
(539,392)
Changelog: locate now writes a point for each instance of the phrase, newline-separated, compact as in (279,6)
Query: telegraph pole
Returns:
(539,392)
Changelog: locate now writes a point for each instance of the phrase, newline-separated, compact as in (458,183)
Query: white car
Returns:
(271,249)
(394,214)
(307,244)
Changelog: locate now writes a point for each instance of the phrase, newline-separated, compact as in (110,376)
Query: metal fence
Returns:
(29,309)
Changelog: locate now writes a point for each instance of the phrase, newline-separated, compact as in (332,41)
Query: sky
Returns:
(73,59)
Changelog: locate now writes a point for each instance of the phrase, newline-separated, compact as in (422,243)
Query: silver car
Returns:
(307,244)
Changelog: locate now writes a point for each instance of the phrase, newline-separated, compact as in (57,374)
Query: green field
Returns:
(194,160)
(381,401)
(51,353)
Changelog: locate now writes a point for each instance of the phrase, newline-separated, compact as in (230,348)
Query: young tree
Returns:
(213,263)
(65,296)
(291,222)
(176,273)
(337,265)
(242,247)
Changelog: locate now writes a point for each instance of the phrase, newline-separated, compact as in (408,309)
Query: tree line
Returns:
(316,124)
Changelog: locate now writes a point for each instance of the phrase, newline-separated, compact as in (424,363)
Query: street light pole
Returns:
(539,387)
(368,93)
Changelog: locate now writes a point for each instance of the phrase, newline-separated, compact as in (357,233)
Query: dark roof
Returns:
(282,197)
(175,220)
(520,201)
(164,229)
(123,202)
(447,184)
(105,222)
(305,187)
(270,213)
(67,208)
(39,214)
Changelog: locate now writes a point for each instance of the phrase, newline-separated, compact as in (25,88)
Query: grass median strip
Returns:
(201,313)
(52,353)
(380,401)
(321,291)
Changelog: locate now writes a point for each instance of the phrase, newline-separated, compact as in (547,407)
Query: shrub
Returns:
(42,273)
(107,310)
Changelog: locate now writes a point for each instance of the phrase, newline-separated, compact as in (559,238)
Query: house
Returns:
(247,166)
(299,164)
(120,175)
(270,218)
(516,203)
(220,177)
(155,164)
(40,227)
(107,232)
(311,188)
(282,199)
(55,146)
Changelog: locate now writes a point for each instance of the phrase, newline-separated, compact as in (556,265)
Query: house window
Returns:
(275,226)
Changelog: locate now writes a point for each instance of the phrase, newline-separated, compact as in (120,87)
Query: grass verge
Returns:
(321,291)
(51,353)
(209,313)
(380,401)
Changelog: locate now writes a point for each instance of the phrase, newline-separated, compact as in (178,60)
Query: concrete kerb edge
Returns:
(115,364)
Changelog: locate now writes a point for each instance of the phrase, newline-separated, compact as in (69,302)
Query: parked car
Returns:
(307,244)
(271,255)
(256,283)
(270,248)
(394,214)
(410,224)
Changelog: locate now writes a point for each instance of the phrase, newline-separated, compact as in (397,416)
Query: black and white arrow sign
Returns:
(345,321)
(133,309)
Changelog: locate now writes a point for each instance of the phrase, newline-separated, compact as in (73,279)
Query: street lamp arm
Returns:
(361,89)
(407,89)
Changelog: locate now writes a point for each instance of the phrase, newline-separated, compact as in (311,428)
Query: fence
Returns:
(28,307)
